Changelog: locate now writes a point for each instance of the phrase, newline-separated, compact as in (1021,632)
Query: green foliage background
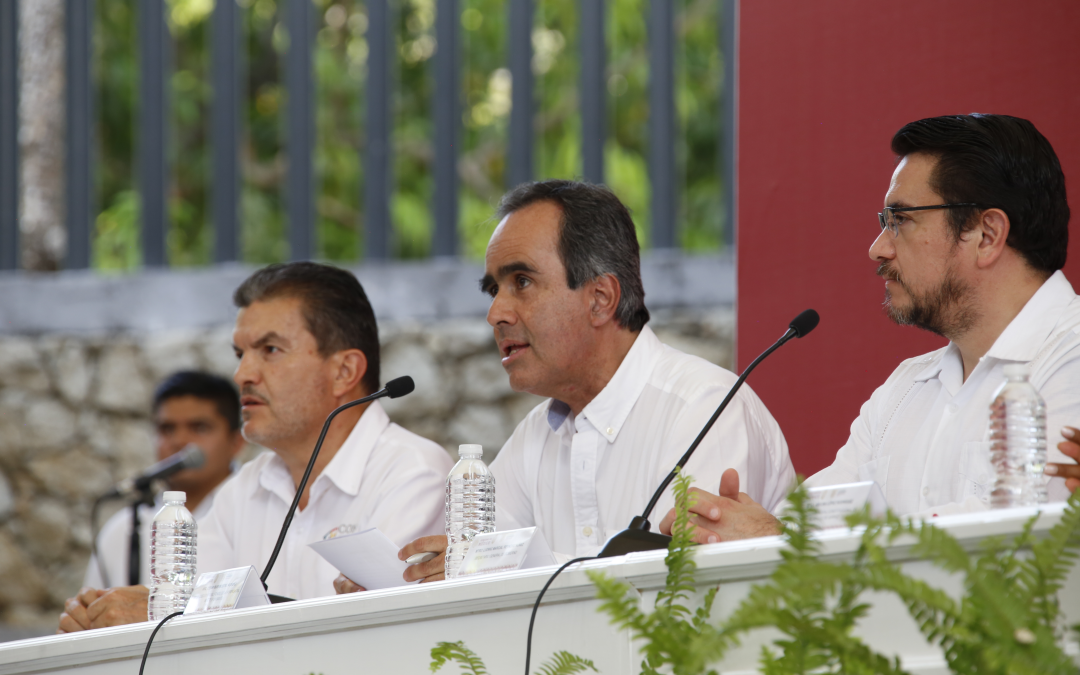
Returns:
(340,67)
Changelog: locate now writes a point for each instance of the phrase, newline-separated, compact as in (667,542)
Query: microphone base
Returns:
(278,599)
(632,540)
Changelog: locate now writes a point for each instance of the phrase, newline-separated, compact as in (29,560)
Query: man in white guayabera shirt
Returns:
(973,238)
(307,342)
(568,312)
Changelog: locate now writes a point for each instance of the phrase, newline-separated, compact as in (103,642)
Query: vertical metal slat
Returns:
(662,122)
(377,169)
(78,164)
(593,90)
(299,84)
(226,38)
(9,134)
(447,123)
(154,41)
(520,157)
(729,48)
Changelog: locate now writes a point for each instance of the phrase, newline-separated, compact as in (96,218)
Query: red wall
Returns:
(822,87)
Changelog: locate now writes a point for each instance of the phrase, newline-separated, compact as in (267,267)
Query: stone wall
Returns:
(74,420)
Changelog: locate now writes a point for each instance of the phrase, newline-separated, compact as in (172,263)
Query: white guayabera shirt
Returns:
(581,479)
(382,476)
(924,435)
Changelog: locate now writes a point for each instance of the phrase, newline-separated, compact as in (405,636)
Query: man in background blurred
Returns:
(188,408)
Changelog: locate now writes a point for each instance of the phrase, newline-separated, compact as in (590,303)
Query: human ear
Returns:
(993,231)
(349,366)
(604,299)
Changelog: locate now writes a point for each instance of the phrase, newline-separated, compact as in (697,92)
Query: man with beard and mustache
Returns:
(973,238)
(568,312)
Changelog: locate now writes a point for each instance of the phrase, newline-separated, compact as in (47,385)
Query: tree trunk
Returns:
(41,133)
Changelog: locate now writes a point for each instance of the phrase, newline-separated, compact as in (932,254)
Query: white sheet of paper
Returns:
(834,502)
(369,558)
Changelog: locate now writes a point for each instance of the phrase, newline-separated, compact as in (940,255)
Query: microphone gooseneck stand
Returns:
(637,536)
(394,388)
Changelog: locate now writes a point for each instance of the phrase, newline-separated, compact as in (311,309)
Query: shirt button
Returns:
(610,431)
(925,491)
(587,531)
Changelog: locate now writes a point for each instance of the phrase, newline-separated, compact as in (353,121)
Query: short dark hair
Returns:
(335,307)
(217,390)
(596,237)
(1002,162)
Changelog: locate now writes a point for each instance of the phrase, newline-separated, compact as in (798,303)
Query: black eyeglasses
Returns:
(887,218)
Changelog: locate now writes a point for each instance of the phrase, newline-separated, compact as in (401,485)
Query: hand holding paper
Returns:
(368,559)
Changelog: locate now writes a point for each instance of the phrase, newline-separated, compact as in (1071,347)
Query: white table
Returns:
(393,631)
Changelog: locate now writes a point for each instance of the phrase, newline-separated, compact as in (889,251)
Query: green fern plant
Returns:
(672,635)
(456,652)
(813,603)
(562,663)
(1009,619)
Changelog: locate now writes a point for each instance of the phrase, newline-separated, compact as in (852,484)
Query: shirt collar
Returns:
(607,412)
(346,469)
(1025,334)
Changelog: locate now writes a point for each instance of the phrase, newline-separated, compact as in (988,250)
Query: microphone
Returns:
(393,389)
(637,536)
(191,457)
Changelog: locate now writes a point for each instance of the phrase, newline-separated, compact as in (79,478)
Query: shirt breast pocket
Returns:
(876,470)
(976,472)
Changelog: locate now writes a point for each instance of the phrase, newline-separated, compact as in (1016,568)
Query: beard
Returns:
(942,310)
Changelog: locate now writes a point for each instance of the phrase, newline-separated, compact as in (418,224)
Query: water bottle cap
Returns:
(470,450)
(175,496)
(1016,370)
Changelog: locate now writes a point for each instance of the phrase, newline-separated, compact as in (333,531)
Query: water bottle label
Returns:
(228,589)
(507,550)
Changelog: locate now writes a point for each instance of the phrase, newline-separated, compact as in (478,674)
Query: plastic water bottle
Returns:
(470,504)
(172,557)
(1018,441)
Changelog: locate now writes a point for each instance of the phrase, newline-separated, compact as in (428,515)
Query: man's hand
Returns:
(1071,448)
(728,516)
(344,584)
(74,618)
(432,570)
(119,607)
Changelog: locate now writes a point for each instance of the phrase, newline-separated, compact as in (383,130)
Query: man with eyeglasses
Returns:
(973,238)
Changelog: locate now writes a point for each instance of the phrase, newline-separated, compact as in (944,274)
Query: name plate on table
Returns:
(835,502)
(503,551)
(228,589)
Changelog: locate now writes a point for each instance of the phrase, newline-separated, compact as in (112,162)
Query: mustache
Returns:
(885,271)
(248,390)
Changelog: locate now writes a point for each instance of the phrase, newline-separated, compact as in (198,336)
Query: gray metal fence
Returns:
(299,17)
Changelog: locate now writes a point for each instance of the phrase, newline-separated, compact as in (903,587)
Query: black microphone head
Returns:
(194,457)
(804,323)
(399,387)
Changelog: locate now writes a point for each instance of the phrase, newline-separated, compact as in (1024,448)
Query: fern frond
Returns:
(565,663)
(445,652)
(680,557)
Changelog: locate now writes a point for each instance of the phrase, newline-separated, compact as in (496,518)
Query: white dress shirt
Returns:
(924,435)
(582,479)
(382,476)
(115,537)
